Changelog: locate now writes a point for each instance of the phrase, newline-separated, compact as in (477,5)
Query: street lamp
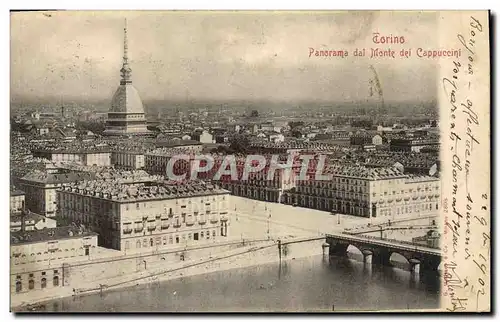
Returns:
(268,225)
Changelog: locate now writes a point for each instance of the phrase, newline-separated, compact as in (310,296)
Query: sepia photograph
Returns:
(249,161)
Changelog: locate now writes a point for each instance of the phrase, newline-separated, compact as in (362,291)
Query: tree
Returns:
(239,143)
(221,149)
(95,127)
(295,124)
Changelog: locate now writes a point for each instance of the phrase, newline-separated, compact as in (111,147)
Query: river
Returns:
(306,284)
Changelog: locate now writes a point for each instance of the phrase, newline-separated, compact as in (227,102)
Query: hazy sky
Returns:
(218,55)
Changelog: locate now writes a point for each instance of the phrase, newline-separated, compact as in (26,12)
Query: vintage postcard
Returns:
(250,161)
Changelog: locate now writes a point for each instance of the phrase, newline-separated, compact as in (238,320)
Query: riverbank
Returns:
(309,284)
(246,256)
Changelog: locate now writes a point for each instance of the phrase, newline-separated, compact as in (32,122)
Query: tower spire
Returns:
(126,71)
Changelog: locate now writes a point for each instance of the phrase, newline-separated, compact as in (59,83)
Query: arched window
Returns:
(55,280)
(127,245)
(44,282)
(151,242)
(138,244)
(31,284)
(19,286)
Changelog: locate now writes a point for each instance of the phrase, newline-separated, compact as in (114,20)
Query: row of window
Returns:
(177,220)
(248,189)
(345,192)
(128,116)
(353,196)
(352,183)
(175,239)
(162,160)
(205,201)
(340,188)
(52,249)
(361,189)
(398,210)
(31,281)
(337,180)
(87,208)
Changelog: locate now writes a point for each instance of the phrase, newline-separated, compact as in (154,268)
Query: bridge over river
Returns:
(380,250)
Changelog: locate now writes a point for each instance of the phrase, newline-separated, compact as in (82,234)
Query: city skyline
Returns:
(251,57)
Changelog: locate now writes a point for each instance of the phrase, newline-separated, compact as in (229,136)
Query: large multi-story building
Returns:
(413,145)
(184,145)
(127,159)
(263,185)
(366,139)
(79,155)
(409,162)
(156,161)
(40,188)
(38,248)
(146,215)
(368,192)
(290,147)
(258,185)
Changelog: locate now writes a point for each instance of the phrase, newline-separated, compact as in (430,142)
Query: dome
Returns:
(126,100)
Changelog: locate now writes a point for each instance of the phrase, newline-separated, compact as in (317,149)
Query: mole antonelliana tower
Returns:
(126,116)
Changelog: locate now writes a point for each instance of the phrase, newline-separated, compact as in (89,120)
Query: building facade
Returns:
(413,145)
(40,188)
(129,160)
(17,200)
(90,157)
(156,161)
(183,145)
(148,215)
(262,185)
(39,248)
(368,192)
(366,139)
(203,137)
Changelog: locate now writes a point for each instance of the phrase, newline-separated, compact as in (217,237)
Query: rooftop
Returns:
(362,172)
(159,189)
(49,234)
(408,160)
(126,100)
(47,177)
(292,145)
(27,215)
(73,149)
(176,143)
(16,192)
(421,178)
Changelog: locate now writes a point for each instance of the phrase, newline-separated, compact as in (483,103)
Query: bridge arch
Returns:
(399,257)
(354,249)
(404,260)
